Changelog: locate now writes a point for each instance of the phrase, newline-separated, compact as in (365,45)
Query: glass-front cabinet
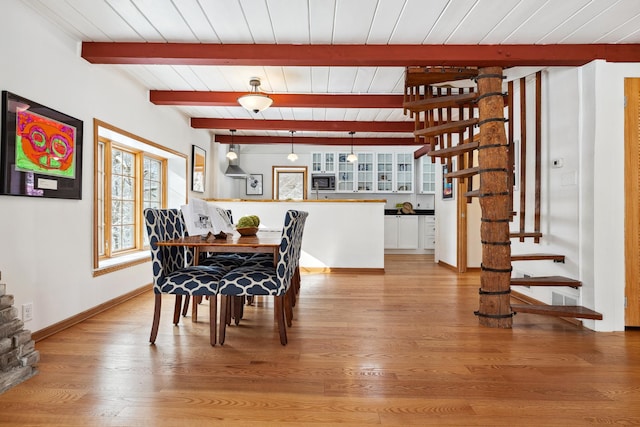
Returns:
(323,162)
(357,176)
(404,172)
(427,176)
(394,172)
(384,172)
(365,173)
(346,181)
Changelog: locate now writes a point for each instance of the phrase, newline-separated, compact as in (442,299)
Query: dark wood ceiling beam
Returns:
(301,125)
(230,99)
(256,139)
(356,55)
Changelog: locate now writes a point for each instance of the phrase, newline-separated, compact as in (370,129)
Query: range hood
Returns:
(234,170)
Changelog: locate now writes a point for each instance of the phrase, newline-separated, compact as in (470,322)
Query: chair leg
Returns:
(156,319)
(236,309)
(213,311)
(197,299)
(279,312)
(176,309)
(185,308)
(225,308)
(288,305)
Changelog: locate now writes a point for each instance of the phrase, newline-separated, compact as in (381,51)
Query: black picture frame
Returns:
(254,184)
(447,184)
(40,150)
(198,169)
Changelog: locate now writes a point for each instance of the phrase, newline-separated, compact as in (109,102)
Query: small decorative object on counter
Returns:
(407,208)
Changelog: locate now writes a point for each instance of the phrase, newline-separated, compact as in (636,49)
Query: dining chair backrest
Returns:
(165,224)
(290,247)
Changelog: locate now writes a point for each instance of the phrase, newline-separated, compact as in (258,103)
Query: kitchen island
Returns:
(339,234)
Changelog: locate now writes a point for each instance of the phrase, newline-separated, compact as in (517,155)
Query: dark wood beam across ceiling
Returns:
(230,99)
(254,139)
(507,55)
(302,125)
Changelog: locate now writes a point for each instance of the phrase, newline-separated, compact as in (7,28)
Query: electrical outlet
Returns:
(27,312)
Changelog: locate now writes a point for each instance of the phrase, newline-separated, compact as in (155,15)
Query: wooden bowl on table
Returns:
(247,231)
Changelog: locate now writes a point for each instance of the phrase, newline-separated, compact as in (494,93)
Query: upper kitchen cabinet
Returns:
(394,172)
(427,176)
(323,162)
(346,182)
(357,176)
(365,175)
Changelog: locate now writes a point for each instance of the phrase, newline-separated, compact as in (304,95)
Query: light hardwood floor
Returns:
(398,349)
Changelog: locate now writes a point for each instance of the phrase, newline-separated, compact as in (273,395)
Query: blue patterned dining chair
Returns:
(173,274)
(253,279)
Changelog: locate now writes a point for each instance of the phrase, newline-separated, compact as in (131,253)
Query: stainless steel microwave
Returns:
(323,182)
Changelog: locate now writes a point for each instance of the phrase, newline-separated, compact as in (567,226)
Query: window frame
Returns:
(107,261)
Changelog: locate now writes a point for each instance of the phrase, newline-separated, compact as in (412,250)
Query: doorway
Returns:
(632,201)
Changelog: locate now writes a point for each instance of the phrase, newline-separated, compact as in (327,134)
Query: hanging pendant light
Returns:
(352,157)
(292,156)
(231,154)
(255,101)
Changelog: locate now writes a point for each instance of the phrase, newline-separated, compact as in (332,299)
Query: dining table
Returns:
(267,241)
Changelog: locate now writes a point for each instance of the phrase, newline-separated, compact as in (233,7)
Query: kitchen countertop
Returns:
(418,212)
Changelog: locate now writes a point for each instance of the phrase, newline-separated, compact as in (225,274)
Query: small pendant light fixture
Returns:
(292,156)
(231,154)
(352,157)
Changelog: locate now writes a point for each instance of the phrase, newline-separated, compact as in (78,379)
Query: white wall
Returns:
(582,204)
(46,251)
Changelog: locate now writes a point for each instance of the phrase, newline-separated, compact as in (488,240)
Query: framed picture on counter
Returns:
(254,184)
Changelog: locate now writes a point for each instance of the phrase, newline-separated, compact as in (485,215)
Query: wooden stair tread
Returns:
(418,76)
(445,128)
(526,234)
(432,103)
(454,151)
(463,173)
(537,256)
(557,310)
(545,281)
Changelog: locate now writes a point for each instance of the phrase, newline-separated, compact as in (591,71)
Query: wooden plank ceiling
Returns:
(330,65)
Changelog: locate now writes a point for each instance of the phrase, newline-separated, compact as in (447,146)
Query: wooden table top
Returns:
(261,239)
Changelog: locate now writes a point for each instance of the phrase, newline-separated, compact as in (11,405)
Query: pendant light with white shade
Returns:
(352,157)
(231,154)
(292,156)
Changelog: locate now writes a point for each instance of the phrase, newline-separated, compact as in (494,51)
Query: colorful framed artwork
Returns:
(40,150)
(254,184)
(198,169)
(447,184)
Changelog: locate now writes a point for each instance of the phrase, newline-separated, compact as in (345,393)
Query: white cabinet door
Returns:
(394,172)
(408,237)
(427,176)
(323,162)
(401,232)
(390,232)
